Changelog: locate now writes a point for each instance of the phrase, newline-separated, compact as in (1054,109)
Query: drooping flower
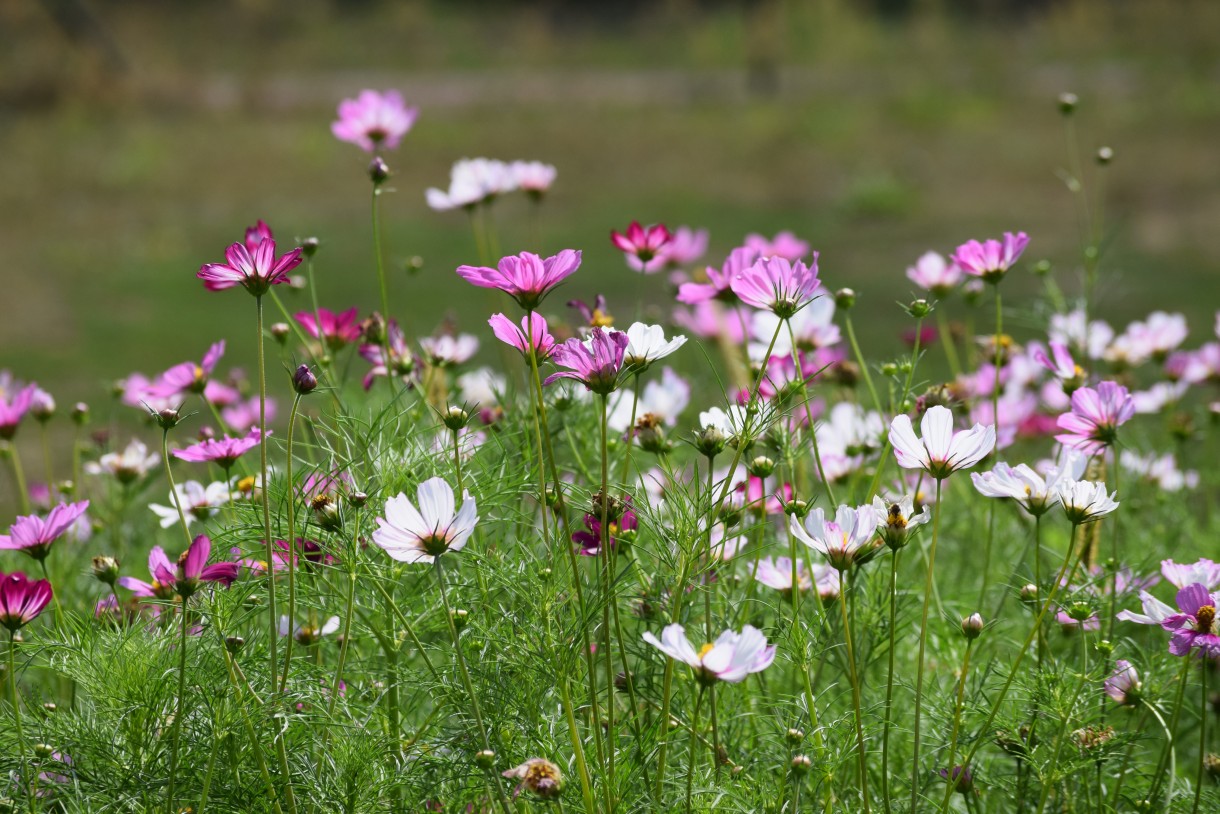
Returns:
(1194,626)
(223,451)
(128,466)
(256,269)
(411,536)
(641,246)
(192,569)
(374,120)
(1032,492)
(934,274)
(1123,685)
(540,776)
(509,333)
(187,377)
(1092,425)
(647,344)
(33,535)
(941,451)
(22,599)
(1085,501)
(778,285)
(732,657)
(990,259)
(594,362)
(533,177)
(1205,572)
(198,502)
(525,277)
(844,541)
(335,330)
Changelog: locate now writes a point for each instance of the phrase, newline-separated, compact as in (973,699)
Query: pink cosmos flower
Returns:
(1194,625)
(187,377)
(525,277)
(1205,572)
(192,569)
(1062,365)
(685,246)
(849,537)
(223,451)
(991,259)
(507,332)
(12,411)
(336,330)
(393,359)
(412,536)
(719,285)
(257,268)
(934,274)
(157,562)
(711,320)
(784,244)
(243,414)
(778,285)
(1092,425)
(940,452)
(594,362)
(257,233)
(641,246)
(732,657)
(33,535)
(1123,685)
(22,599)
(777,575)
(373,120)
(590,540)
(533,177)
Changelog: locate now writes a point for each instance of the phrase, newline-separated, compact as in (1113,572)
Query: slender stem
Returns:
(586,788)
(864,371)
(1167,754)
(694,731)
(207,778)
(385,292)
(957,720)
(635,403)
(1204,713)
(889,686)
(946,340)
(173,760)
(1038,582)
(23,494)
(855,691)
(608,599)
(292,546)
(347,634)
(46,454)
(813,435)
(16,700)
(1067,718)
(173,488)
(272,622)
(255,746)
(923,636)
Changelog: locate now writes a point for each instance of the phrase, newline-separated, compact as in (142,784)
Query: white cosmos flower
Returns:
(198,502)
(446,350)
(1035,494)
(1084,501)
(308,634)
(482,386)
(647,344)
(411,536)
(899,518)
(842,540)
(941,451)
(133,463)
(732,657)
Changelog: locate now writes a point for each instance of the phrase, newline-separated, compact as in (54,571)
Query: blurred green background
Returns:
(140,138)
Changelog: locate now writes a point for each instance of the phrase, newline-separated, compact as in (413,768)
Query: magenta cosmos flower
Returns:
(590,541)
(990,259)
(223,451)
(594,362)
(336,330)
(1194,627)
(719,281)
(12,411)
(192,569)
(254,267)
(1096,414)
(421,535)
(525,277)
(373,120)
(187,377)
(775,284)
(33,535)
(509,333)
(732,657)
(642,245)
(941,451)
(22,599)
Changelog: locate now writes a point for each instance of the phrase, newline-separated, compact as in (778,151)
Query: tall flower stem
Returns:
(16,701)
(813,435)
(694,732)
(173,759)
(381,281)
(292,544)
(997,358)
(635,403)
(465,673)
(457,459)
(1204,713)
(173,488)
(347,633)
(946,340)
(889,687)
(607,600)
(1038,582)
(23,493)
(855,347)
(46,454)
(923,638)
(255,746)
(855,688)
(272,622)
(957,715)
(582,769)
(1067,718)
(1167,753)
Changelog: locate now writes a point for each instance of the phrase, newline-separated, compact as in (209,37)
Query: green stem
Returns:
(864,371)
(173,761)
(1067,718)
(16,699)
(813,435)
(923,637)
(946,339)
(855,691)
(457,460)
(608,597)
(694,731)
(635,403)
(381,281)
(23,494)
(255,746)
(889,687)
(1204,713)
(173,487)
(957,720)
(46,455)
(347,633)
(292,546)
(582,769)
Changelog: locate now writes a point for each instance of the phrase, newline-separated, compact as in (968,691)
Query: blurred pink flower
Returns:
(13,410)
(336,330)
(719,281)
(187,377)
(778,285)
(784,244)
(641,246)
(990,259)
(373,120)
(934,274)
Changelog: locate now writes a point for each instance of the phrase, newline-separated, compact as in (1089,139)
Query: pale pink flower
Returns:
(374,120)
(851,536)
(392,359)
(1123,685)
(447,350)
(533,177)
(243,414)
(934,274)
(732,657)
(941,452)
(685,246)
(641,246)
(525,277)
(414,536)
(1204,572)
(784,244)
(711,320)
(187,377)
(1092,425)
(719,281)
(128,466)
(991,259)
(1062,364)
(472,181)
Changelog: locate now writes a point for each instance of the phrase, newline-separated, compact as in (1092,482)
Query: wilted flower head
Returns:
(373,120)
(990,259)
(33,535)
(22,599)
(731,658)
(1123,685)
(411,535)
(1096,414)
(542,777)
(525,277)
(941,452)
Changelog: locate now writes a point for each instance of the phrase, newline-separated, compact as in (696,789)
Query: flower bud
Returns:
(1067,103)
(455,418)
(1105,647)
(485,758)
(845,298)
(546,573)
(106,570)
(972,626)
(167,419)
(795,736)
(761,467)
(552,497)
(43,750)
(1211,764)
(919,308)
(309,246)
(797,508)
(1029,593)
(379,171)
(413,264)
(889,369)
(280,331)
(710,441)
(801,764)
(357,500)
(50,707)
(303,380)
(1079,611)
(459,617)
(80,413)
(1104,156)
(42,406)
(234,644)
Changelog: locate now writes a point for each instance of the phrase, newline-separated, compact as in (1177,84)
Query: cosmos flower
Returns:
(374,120)
(525,277)
(1205,572)
(1092,425)
(187,377)
(647,344)
(941,452)
(642,245)
(934,274)
(308,634)
(900,519)
(661,402)
(533,177)
(472,181)
(394,358)
(1155,611)
(13,409)
(1031,491)
(243,415)
(777,574)
(256,269)
(991,259)
(732,657)
(1123,685)
(542,777)
(778,285)
(685,246)
(33,535)
(223,451)
(784,244)
(1194,626)
(1084,501)
(719,281)
(594,362)
(22,599)
(851,536)
(590,540)
(198,502)
(447,350)
(507,332)
(128,466)
(335,330)
(157,562)
(192,569)
(411,536)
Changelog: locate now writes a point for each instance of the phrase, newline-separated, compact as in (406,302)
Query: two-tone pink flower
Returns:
(775,284)
(525,277)
(643,247)
(223,451)
(374,120)
(335,330)
(256,268)
(848,539)
(732,657)
(1096,414)
(534,325)
(990,260)
(22,600)
(192,570)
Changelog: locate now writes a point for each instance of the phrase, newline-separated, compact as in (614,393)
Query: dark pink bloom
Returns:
(1092,425)
(394,358)
(11,412)
(1195,626)
(188,377)
(223,451)
(507,332)
(525,277)
(719,282)
(642,245)
(590,540)
(778,285)
(33,535)
(784,244)
(990,259)
(594,362)
(374,120)
(281,558)
(336,330)
(257,233)
(157,562)
(192,569)
(22,599)
(257,269)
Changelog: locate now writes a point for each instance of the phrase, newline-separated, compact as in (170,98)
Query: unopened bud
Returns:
(456,418)
(167,419)
(459,617)
(379,171)
(1104,156)
(889,369)
(845,298)
(280,331)
(761,467)
(303,380)
(1029,593)
(919,309)
(1042,268)
(1105,647)
(795,736)
(710,441)
(50,707)
(801,764)
(42,406)
(309,246)
(357,500)
(972,626)
(485,758)
(372,328)
(80,413)
(1079,611)
(43,750)
(234,644)
(1067,103)
(797,508)
(106,570)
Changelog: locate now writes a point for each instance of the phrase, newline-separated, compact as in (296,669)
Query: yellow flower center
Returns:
(1206,616)
(601,319)
(703,651)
